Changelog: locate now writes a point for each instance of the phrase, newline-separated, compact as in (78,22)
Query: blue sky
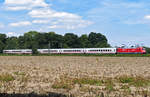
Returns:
(122,21)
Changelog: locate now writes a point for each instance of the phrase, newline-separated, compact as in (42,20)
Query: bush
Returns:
(6,77)
(34,50)
(147,50)
(126,79)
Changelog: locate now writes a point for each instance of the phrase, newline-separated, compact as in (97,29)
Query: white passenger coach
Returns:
(18,51)
(65,51)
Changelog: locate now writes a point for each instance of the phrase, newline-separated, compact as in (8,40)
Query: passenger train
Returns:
(138,50)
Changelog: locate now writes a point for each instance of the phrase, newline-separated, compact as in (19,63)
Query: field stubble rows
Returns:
(78,76)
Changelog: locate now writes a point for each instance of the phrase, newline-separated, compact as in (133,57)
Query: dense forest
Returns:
(37,40)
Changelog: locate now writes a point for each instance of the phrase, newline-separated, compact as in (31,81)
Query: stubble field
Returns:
(40,76)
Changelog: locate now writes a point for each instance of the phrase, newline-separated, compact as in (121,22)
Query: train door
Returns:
(60,51)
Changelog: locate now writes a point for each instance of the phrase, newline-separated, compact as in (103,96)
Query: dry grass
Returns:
(79,76)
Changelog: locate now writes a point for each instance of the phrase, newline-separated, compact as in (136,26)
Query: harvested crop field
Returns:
(48,76)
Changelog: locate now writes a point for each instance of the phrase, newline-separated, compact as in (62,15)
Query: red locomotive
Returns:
(138,50)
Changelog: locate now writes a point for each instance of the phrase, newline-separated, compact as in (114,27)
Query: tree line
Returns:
(37,40)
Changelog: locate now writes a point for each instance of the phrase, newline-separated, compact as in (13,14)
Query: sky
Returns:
(121,21)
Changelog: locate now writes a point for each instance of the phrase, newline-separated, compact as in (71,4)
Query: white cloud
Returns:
(54,26)
(18,1)
(22,23)
(15,8)
(40,21)
(139,21)
(10,34)
(63,20)
(43,14)
(119,12)
(24,4)
(147,17)
(49,13)
(70,25)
